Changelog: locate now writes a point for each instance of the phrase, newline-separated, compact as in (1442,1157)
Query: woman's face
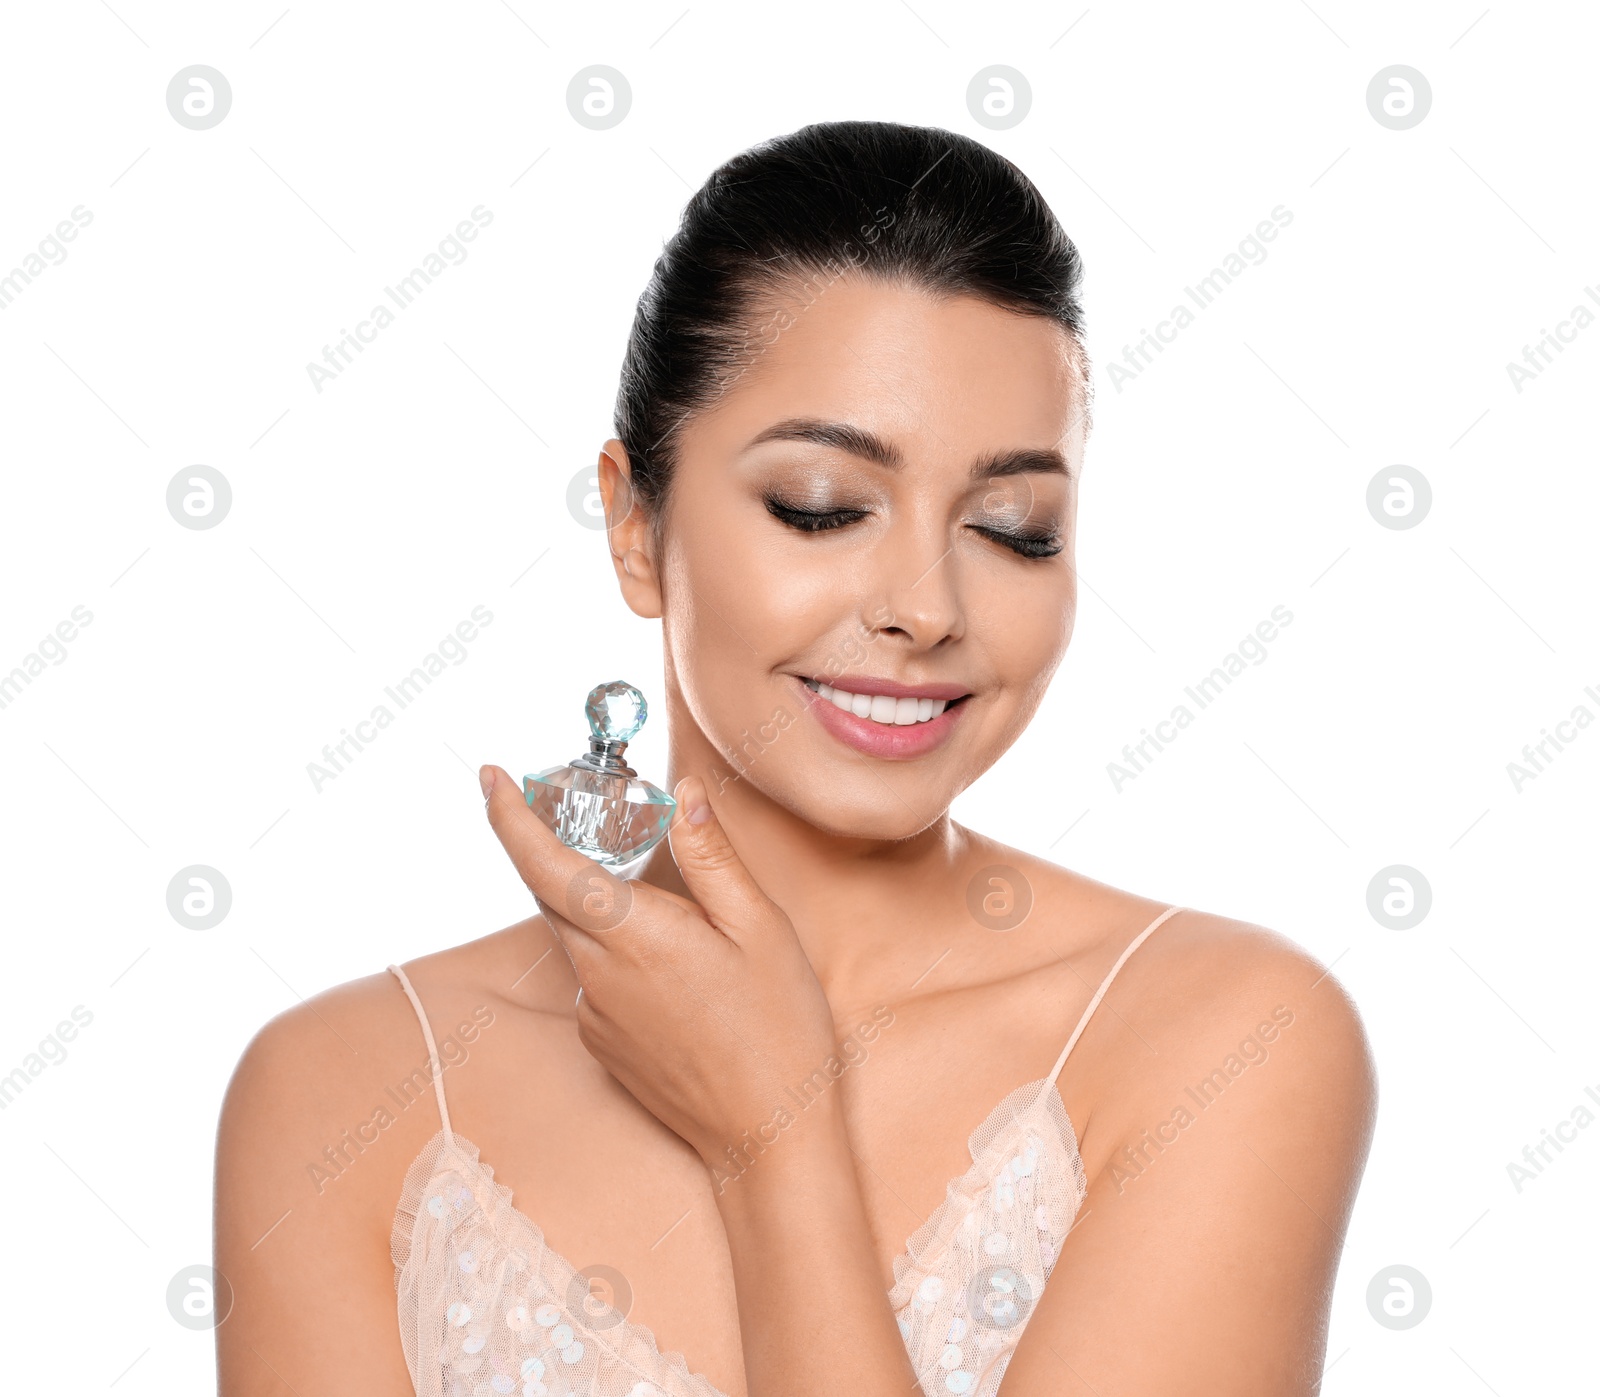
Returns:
(937,444)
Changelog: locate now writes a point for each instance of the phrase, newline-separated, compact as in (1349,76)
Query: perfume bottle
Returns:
(597,803)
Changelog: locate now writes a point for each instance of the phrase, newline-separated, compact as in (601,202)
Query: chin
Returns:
(855,804)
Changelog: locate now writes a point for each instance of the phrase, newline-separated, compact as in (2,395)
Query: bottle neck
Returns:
(605,755)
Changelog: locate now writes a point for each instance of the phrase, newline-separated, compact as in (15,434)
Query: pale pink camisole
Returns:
(486,1307)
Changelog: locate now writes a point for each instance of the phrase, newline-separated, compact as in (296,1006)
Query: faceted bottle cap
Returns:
(616,711)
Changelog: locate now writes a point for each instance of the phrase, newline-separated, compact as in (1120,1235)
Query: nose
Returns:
(919,583)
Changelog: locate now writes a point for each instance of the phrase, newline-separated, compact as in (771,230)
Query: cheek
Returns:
(1024,628)
(739,605)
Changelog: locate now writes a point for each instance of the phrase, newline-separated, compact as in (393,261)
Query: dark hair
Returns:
(913,204)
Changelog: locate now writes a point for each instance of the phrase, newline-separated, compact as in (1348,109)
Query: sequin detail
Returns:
(482,1297)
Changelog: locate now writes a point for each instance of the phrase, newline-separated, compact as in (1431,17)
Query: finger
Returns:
(589,897)
(710,865)
(596,902)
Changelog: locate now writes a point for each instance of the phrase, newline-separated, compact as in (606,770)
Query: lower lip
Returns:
(890,741)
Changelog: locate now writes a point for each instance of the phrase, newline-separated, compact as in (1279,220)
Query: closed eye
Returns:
(1044,545)
(813,521)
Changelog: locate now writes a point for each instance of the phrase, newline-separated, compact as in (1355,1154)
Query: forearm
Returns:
(806,1279)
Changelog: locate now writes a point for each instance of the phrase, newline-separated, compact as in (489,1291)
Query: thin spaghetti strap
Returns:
(433,1052)
(1105,984)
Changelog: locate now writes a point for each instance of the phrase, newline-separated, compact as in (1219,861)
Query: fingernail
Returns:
(696,809)
(486,780)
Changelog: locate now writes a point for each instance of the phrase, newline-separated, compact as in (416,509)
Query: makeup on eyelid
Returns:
(1042,541)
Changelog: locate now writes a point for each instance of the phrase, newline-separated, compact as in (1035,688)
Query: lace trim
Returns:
(1002,1134)
(484,1300)
(486,1306)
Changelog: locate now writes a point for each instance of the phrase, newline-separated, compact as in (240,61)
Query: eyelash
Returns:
(812,521)
(1037,545)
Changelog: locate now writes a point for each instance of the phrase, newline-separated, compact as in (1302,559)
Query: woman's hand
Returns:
(707,1010)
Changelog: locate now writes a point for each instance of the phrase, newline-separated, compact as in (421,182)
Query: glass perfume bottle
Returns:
(597,803)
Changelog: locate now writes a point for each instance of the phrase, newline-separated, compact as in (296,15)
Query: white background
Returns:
(431,477)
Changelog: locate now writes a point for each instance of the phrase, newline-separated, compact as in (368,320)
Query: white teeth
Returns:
(881,708)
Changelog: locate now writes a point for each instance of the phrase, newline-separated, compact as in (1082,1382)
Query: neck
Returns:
(869,913)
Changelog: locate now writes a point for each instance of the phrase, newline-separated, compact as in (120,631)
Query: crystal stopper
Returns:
(616,711)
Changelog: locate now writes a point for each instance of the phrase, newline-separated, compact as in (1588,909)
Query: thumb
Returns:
(711,867)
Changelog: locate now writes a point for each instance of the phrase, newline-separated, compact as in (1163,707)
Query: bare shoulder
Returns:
(1210,988)
(1207,964)
(1201,990)
(1206,984)
(1198,981)
(327,1108)
(318,1074)
(1202,994)
(1224,1097)
(309,1058)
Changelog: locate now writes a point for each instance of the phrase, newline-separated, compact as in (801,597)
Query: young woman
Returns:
(838,1095)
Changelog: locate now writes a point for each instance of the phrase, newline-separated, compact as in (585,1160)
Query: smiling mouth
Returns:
(885,709)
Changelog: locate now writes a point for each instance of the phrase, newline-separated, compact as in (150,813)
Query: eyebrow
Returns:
(857,441)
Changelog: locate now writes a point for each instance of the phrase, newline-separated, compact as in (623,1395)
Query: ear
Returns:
(628,532)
